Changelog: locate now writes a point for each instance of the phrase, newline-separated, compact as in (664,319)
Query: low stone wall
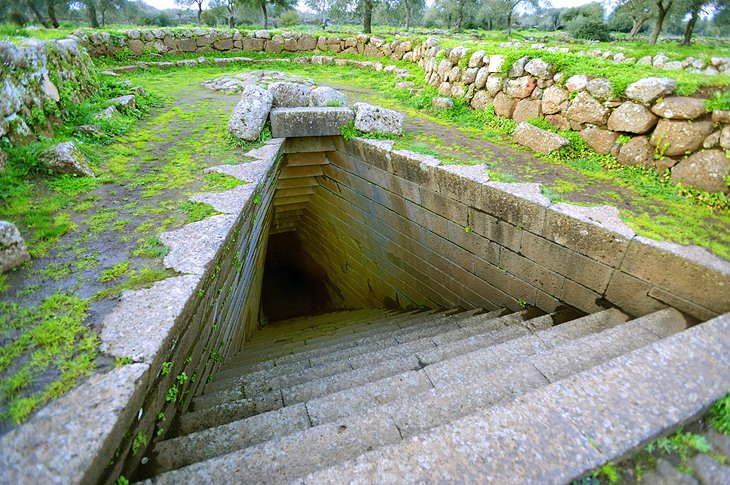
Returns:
(398,228)
(175,334)
(649,127)
(40,80)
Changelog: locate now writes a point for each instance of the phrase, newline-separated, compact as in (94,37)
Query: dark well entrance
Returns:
(294,284)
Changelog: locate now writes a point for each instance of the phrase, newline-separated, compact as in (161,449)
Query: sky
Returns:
(556,3)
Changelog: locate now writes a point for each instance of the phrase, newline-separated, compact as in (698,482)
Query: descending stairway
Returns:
(313,393)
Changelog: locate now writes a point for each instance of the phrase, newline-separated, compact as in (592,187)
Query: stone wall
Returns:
(395,227)
(648,127)
(40,80)
(175,334)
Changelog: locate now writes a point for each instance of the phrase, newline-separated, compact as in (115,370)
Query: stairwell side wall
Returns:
(175,334)
(444,235)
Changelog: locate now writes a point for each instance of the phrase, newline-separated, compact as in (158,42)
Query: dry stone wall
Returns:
(40,80)
(649,127)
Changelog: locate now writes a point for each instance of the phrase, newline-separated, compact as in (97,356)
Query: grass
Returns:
(719,415)
(49,338)
(143,278)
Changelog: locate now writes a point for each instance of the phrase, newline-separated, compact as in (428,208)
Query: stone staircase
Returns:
(357,395)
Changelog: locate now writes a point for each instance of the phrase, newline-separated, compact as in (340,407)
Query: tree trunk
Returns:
(52,14)
(91,11)
(200,12)
(690,27)
(661,15)
(637,25)
(459,17)
(408,14)
(37,14)
(509,24)
(230,15)
(266,15)
(367,23)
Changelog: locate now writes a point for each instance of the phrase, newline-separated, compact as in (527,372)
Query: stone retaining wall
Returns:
(649,127)
(175,334)
(399,228)
(40,80)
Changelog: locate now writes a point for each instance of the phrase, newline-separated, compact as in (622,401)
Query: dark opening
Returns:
(294,284)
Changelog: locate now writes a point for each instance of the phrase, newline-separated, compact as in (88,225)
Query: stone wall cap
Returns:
(193,246)
(527,191)
(605,216)
(693,253)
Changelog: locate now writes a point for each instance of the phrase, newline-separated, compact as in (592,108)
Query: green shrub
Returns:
(589,29)
(290,19)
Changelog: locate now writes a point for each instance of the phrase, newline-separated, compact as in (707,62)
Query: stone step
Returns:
(238,364)
(596,416)
(263,359)
(360,356)
(343,380)
(264,464)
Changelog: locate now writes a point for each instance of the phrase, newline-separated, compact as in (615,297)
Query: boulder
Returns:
(725,138)
(648,90)
(521,87)
(663,164)
(290,95)
(326,96)
(13,251)
(518,68)
(637,151)
(457,90)
(540,69)
(469,75)
(585,109)
(576,83)
(480,81)
(495,63)
(600,88)
(442,103)
(67,158)
(631,118)
(477,59)
(125,102)
(107,113)
(721,116)
(526,109)
(250,115)
(89,130)
(372,119)
(706,170)
(673,138)
(554,100)
(680,108)
(495,83)
(558,121)
(712,140)
(306,42)
(504,105)
(540,140)
(481,100)
(599,140)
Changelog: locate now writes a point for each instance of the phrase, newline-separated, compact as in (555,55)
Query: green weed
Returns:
(143,278)
(151,247)
(719,415)
(196,211)
(114,272)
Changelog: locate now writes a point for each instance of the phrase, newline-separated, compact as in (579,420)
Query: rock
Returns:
(495,63)
(645,61)
(469,75)
(49,89)
(725,138)
(480,81)
(481,100)
(558,121)
(663,164)
(476,59)
(518,68)
(521,87)
(3,161)
(372,119)
(660,59)
(250,115)
(67,158)
(444,68)
(504,105)
(326,96)
(13,251)
(457,90)
(540,140)
(554,100)
(289,95)
(721,116)
(539,68)
(89,130)
(631,118)
(600,88)
(712,140)
(637,151)
(107,113)
(495,83)
(674,138)
(125,102)
(648,90)
(599,140)
(442,103)
(576,83)
(666,474)
(526,109)
(680,108)
(709,470)
(585,109)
